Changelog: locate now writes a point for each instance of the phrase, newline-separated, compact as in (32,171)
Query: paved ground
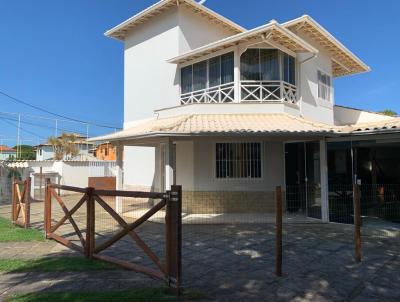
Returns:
(235,262)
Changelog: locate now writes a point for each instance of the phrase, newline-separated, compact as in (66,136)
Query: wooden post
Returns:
(278,221)
(47,210)
(174,237)
(40,183)
(27,189)
(90,224)
(357,222)
(13,201)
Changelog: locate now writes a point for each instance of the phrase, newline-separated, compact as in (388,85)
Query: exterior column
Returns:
(169,165)
(324,181)
(236,74)
(119,176)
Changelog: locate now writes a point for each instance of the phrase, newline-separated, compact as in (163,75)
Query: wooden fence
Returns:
(169,271)
(20,205)
(279,227)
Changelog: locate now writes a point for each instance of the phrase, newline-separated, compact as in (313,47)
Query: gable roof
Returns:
(273,32)
(119,31)
(344,62)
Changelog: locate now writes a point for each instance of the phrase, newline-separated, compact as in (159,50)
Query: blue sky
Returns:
(53,54)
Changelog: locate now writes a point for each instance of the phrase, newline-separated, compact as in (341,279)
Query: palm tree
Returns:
(64,146)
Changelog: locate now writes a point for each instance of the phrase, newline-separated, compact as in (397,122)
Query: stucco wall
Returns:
(311,106)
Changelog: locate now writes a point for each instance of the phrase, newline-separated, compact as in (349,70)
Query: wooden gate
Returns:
(169,270)
(21,198)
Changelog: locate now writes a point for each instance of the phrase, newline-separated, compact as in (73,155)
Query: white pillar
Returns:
(236,74)
(324,181)
(119,176)
(169,165)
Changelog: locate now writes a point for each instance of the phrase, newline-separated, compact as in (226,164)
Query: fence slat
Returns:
(278,241)
(357,223)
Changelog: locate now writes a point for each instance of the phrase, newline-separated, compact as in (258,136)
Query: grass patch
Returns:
(137,295)
(53,264)
(10,232)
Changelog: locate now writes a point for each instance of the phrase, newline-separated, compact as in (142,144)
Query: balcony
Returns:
(251,91)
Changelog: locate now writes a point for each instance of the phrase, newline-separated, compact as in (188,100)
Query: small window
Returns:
(200,75)
(238,160)
(106,151)
(186,79)
(227,66)
(289,69)
(324,86)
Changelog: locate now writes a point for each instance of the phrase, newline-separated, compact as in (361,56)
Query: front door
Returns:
(303,178)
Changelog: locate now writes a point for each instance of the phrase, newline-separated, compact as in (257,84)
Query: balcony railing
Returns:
(251,91)
(266,91)
(217,94)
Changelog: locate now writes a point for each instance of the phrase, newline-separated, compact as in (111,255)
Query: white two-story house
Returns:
(231,113)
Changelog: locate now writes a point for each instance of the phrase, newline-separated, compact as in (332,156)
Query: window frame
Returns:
(321,99)
(207,61)
(238,179)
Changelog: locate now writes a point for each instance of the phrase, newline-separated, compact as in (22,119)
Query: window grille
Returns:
(238,160)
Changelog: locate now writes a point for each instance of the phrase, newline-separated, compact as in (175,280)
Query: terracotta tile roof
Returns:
(234,124)
(6,149)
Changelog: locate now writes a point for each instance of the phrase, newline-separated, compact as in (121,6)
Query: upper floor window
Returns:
(324,86)
(206,74)
(260,65)
(289,69)
(264,65)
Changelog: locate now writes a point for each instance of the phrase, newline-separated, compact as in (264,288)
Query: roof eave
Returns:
(238,37)
(111,32)
(329,37)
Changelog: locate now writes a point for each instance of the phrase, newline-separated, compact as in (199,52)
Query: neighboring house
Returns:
(7,153)
(230,113)
(105,151)
(46,152)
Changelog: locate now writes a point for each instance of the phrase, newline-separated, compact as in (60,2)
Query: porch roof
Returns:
(223,124)
(271,32)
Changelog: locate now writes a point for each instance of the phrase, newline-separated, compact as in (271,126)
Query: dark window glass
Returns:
(269,64)
(250,65)
(186,79)
(227,66)
(238,160)
(200,75)
(214,71)
(289,69)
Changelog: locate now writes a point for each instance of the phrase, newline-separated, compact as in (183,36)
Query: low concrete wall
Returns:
(228,202)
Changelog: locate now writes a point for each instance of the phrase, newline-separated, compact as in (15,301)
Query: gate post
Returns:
(357,222)
(173,226)
(278,238)
(90,223)
(13,201)
(27,189)
(47,209)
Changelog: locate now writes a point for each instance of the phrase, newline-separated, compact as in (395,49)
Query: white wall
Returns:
(139,167)
(198,159)
(311,106)
(346,116)
(195,30)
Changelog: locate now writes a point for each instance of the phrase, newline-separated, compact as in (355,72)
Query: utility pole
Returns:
(18,132)
(56,128)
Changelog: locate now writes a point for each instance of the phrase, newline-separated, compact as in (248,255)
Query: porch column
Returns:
(119,150)
(169,165)
(236,74)
(324,181)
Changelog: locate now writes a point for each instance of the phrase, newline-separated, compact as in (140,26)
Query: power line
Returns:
(23,129)
(55,114)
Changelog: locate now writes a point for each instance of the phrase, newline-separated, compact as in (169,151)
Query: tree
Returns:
(25,152)
(389,112)
(64,146)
